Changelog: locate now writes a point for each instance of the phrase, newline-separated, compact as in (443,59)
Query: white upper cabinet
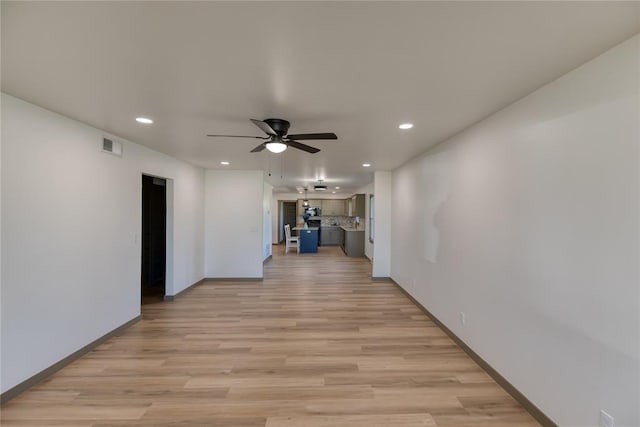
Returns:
(333,207)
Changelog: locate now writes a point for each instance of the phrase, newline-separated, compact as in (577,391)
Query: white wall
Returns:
(71,235)
(1,287)
(186,184)
(233,224)
(367,190)
(267,214)
(382,188)
(275,218)
(528,223)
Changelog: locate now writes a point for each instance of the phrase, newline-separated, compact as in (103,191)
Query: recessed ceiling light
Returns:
(337,188)
(366,165)
(144,120)
(224,163)
(406,126)
(333,192)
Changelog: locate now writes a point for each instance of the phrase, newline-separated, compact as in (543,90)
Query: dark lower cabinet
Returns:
(330,236)
(353,242)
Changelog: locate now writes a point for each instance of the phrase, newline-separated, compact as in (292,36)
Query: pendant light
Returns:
(305,202)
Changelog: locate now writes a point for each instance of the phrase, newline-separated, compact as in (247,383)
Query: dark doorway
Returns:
(288,217)
(154,239)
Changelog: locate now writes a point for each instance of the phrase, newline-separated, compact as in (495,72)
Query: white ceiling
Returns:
(354,68)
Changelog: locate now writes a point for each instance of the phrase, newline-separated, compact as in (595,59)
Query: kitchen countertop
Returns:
(352,229)
(302,228)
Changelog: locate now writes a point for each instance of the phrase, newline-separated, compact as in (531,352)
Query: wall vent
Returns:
(112,147)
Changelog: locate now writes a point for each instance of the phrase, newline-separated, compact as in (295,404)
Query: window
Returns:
(371,217)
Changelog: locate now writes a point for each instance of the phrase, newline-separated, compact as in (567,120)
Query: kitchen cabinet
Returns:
(315,203)
(333,207)
(330,236)
(356,206)
(352,242)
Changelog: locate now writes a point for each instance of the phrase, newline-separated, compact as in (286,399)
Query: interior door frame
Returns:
(168,280)
(281,218)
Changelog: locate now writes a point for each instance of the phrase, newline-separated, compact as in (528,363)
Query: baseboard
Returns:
(214,279)
(46,373)
(188,288)
(535,412)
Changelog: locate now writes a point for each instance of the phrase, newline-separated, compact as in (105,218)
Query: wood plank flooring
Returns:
(315,344)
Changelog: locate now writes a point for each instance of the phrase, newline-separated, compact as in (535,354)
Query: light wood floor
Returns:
(317,343)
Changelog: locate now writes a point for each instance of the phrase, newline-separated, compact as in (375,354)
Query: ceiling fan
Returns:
(277,139)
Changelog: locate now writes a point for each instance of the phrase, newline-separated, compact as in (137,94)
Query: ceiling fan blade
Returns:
(301,146)
(264,127)
(303,136)
(259,148)
(238,136)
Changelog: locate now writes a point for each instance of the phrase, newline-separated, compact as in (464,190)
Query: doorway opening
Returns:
(288,216)
(154,239)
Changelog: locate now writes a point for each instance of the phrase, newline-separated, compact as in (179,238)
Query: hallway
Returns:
(317,343)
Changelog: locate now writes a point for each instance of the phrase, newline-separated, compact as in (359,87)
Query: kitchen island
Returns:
(308,239)
(352,243)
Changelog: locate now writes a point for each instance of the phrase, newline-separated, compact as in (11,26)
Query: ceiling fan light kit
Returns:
(276,147)
(277,139)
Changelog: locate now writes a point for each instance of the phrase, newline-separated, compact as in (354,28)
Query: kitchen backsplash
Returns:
(343,221)
(338,220)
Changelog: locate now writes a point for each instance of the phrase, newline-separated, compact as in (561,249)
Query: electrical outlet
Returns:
(463,318)
(606,420)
